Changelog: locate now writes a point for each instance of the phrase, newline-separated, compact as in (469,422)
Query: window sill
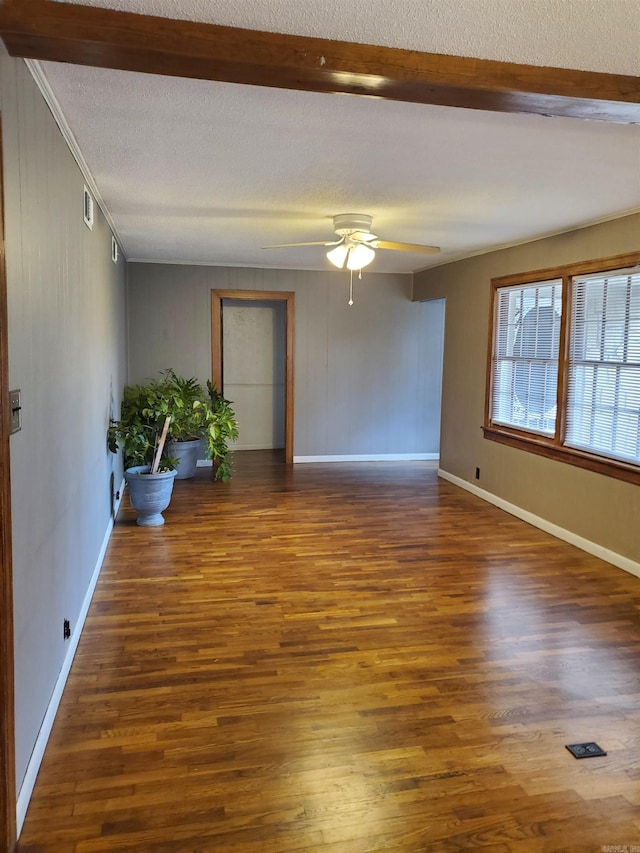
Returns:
(542,447)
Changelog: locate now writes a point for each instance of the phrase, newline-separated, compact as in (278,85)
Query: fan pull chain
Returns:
(351,284)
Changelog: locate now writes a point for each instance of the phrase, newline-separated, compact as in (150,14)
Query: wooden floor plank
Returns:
(349,658)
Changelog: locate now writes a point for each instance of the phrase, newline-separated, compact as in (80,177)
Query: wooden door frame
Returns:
(216,347)
(7,712)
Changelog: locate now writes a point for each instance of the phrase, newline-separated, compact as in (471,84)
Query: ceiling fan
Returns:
(356,245)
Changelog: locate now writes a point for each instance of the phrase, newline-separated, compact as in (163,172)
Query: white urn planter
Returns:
(149,494)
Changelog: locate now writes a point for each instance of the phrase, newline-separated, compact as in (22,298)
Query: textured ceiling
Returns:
(594,35)
(194,171)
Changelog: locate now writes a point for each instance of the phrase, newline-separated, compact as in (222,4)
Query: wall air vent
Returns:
(88,208)
(114,249)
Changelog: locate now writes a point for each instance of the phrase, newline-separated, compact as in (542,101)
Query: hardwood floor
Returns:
(340,659)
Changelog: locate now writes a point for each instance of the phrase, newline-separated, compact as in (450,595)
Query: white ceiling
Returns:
(201,172)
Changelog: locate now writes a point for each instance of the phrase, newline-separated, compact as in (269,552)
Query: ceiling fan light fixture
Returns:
(359,256)
(338,255)
(356,245)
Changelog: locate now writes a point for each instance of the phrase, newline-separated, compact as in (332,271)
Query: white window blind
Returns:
(525,356)
(603,404)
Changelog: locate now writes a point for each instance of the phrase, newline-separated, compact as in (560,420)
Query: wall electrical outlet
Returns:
(477,473)
(66,629)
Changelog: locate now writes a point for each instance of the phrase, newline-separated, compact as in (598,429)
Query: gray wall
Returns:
(598,508)
(66,303)
(367,377)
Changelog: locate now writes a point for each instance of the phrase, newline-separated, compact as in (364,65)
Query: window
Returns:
(525,378)
(603,405)
(564,365)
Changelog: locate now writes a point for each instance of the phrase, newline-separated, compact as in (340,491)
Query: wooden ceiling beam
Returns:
(105,38)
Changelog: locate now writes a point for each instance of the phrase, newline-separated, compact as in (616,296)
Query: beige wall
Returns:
(598,508)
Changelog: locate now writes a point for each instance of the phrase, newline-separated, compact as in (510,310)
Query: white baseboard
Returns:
(29,781)
(375,457)
(559,532)
(254,447)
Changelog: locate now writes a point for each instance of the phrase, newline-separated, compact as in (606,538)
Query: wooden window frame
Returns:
(553,447)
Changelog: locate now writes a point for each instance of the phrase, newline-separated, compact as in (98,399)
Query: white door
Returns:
(253,370)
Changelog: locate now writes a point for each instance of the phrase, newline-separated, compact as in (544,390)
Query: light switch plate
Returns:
(16,408)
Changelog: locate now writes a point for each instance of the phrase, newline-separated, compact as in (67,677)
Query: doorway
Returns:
(263,391)
(253,366)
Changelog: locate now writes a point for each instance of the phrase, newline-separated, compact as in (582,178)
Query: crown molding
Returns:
(37,72)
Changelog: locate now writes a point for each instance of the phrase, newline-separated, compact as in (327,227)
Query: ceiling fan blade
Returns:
(404,247)
(363,236)
(290,245)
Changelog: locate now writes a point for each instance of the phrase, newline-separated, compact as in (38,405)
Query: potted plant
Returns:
(186,403)
(199,421)
(141,432)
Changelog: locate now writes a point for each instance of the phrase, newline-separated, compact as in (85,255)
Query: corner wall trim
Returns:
(29,781)
(593,548)
(375,457)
